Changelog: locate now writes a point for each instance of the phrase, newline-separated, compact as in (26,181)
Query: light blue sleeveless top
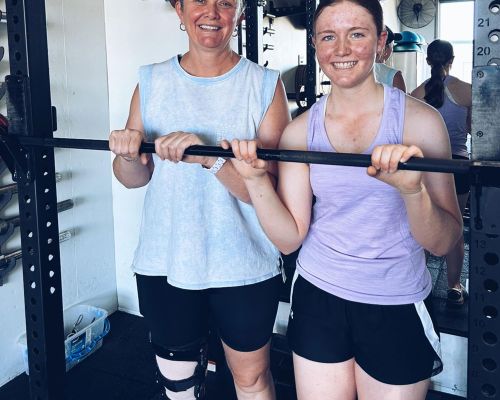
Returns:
(359,246)
(384,74)
(193,230)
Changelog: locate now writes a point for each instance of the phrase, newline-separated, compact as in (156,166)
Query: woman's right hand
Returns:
(126,143)
(246,162)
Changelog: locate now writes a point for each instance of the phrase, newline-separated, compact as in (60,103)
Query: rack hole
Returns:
(491,258)
(51,274)
(33,317)
(490,338)
(50,257)
(37,367)
(52,290)
(17,55)
(490,312)
(27,199)
(46,190)
(489,364)
(490,285)
(32,268)
(34,334)
(495,7)
(47,207)
(49,240)
(33,301)
(27,215)
(15,19)
(48,224)
(30,234)
(17,38)
(494,36)
(33,285)
(36,351)
(488,390)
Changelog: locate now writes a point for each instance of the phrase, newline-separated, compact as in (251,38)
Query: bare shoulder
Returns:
(295,134)
(461,92)
(415,105)
(419,92)
(425,128)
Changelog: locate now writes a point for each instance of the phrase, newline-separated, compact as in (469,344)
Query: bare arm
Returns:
(433,212)
(284,215)
(399,82)
(130,168)
(462,94)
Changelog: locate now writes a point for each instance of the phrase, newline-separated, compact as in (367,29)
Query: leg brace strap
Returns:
(197,380)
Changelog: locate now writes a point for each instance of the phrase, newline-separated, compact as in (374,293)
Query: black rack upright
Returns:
(30,114)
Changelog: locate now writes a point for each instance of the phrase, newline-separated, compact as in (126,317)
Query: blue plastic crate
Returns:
(84,328)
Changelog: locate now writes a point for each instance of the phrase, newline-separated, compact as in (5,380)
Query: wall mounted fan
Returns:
(416,13)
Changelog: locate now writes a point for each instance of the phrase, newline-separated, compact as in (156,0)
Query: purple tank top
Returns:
(455,118)
(359,246)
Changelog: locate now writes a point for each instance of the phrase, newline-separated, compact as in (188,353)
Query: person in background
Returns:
(360,322)
(383,73)
(452,97)
(197,209)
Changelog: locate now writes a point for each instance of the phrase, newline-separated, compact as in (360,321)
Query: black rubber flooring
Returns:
(123,369)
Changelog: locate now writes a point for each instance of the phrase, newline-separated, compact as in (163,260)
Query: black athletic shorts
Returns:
(397,345)
(244,315)
(462,182)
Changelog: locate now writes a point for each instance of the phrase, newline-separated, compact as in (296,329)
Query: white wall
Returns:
(390,17)
(77,55)
(138,32)
(413,65)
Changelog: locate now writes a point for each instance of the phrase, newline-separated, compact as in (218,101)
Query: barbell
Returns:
(310,157)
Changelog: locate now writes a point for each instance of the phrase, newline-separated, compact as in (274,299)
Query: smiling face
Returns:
(347,42)
(209,23)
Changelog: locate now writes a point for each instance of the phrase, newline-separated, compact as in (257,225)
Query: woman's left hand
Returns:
(385,160)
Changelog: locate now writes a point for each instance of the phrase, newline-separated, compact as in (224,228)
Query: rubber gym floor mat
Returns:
(123,369)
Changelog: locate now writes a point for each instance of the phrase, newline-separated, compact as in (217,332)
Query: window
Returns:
(456,22)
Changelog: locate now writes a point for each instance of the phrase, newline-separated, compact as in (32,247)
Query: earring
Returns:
(380,56)
(182,27)
(235,33)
